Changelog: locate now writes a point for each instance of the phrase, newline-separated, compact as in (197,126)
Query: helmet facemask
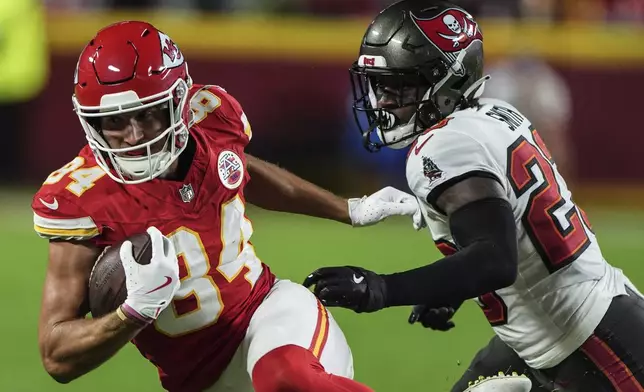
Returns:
(434,99)
(151,158)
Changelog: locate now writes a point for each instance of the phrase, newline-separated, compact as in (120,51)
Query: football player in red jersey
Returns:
(167,156)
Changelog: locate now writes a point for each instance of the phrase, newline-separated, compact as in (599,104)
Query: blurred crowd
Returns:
(550,10)
(534,85)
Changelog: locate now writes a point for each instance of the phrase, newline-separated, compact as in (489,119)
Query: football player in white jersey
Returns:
(498,210)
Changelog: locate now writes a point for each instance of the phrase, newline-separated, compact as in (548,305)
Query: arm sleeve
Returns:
(485,262)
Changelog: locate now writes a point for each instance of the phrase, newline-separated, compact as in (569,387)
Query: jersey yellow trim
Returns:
(66,233)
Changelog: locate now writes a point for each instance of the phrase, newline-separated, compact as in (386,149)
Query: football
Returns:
(107,290)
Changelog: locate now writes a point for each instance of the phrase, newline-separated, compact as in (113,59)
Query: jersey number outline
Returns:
(494,309)
(557,245)
(198,302)
(82,178)
(205,102)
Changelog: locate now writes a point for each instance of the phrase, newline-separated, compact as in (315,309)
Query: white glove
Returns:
(150,287)
(387,202)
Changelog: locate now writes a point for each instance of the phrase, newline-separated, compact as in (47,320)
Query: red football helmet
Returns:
(126,67)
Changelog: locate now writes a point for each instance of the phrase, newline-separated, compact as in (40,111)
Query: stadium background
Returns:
(286,61)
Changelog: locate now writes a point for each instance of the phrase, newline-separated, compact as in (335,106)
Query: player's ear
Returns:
(473,188)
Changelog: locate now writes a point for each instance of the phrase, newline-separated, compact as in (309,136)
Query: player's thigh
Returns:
(492,359)
(292,315)
(612,359)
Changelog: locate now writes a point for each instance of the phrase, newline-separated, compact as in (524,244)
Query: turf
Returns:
(389,354)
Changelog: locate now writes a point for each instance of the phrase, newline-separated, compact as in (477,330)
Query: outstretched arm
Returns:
(276,189)
(482,224)
(483,227)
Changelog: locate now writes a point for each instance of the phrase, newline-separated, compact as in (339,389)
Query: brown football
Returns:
(107,289)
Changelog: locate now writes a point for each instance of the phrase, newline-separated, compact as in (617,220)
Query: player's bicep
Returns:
(65,288)
(469,190)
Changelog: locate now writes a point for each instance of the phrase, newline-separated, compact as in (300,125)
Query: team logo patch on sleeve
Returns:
(231,169)
(431,171)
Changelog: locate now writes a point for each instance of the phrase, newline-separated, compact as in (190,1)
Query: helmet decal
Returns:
(172,56)
(419,62)
(450,31)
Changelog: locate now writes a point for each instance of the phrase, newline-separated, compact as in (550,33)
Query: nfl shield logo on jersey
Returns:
(187,193)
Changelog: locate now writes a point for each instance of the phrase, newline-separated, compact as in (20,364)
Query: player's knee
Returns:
(286,369)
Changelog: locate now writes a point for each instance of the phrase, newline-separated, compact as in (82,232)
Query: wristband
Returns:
(126,313)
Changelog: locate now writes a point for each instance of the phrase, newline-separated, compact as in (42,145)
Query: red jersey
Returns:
(222,280)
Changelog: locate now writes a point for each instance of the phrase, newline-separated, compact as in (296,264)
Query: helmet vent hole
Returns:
(91,43)
(145,32)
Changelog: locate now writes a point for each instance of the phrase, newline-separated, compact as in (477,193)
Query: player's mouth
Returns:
(136,153)
(143,151)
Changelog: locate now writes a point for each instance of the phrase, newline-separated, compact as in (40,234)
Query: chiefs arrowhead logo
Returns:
(450,31)
(170,52)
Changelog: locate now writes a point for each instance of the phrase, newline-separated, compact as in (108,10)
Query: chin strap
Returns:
(476,89)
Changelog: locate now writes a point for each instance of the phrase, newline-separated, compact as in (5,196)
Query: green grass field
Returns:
(389,354)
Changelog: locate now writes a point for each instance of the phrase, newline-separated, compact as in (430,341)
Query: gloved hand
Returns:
(438,319)
(353,288)
(387,202)
(150,287)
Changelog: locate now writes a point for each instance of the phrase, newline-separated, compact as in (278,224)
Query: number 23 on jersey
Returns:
(558,243)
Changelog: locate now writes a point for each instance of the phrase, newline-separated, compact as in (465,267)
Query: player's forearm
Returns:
(487,262)
(274,188)
(74,348)
(467,274)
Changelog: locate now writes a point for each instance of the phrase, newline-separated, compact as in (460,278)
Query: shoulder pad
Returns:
(56,204)
(445,156)
(214,109)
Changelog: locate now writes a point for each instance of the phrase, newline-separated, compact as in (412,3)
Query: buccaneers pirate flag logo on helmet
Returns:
(450,31)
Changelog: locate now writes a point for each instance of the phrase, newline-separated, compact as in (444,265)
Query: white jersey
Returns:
(564,285)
